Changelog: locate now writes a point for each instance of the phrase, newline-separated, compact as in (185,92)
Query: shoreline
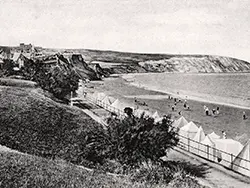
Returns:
(180,96)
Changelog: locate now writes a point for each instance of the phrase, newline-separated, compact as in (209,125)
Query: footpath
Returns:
(216,175)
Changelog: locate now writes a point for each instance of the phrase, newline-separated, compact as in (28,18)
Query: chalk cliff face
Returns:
(203,64)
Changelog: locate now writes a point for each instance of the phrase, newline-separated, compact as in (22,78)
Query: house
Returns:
(18,59)
(26,47)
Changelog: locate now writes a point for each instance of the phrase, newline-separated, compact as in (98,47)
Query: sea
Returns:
(223,88)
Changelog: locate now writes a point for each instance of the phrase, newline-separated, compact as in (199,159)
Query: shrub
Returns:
(134,140)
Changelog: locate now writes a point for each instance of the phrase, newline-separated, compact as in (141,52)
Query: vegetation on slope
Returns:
(34,124)
(18,170)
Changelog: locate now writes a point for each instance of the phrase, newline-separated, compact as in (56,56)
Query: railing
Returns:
(107,107)
(202,150)
(213,154)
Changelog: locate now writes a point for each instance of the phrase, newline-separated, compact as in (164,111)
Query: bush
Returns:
(133,140)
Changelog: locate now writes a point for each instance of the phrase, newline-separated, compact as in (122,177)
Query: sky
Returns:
(213,27)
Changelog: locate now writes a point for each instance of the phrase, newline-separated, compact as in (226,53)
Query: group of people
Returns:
(176,101)
(213,112)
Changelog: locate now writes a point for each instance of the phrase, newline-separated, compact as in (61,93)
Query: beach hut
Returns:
(138,112)
(241,163)
(119,106)
(155,115)
(107,101)
(207,149)
(213,136)
(147,113)
(195,142)
(227,149)
(188,132)
(180,122)
(93,96)
(100,96)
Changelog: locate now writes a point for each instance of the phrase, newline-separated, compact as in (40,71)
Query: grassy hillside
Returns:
(32,123)
(17,170)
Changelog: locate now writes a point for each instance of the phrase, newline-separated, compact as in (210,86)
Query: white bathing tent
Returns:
(100,96)
(242,162)
(147,113)
(118,105)
(180,122)
(155,115)
(188,131)
(229,146)
(207,148)
(195,142)
(138,112)
(107,101)
(93,96)
(213,136)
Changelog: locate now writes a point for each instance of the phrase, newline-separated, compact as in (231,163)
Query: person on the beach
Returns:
(214,111)
(224,135)
(244,115)
(204,107)
(175,99)
(135,100)
(207,111)
(173,107)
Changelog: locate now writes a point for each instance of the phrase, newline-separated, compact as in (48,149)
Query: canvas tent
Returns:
(213,136)
(119,106)
(107,101)
(99,97)
(147,113)
(155,115)
(241,163)
(93,96)
(207,149)
(195,142)
(138,112)
(180,122)
(188,131)
(229,146)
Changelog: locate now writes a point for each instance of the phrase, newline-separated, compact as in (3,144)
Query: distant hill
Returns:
(126,62)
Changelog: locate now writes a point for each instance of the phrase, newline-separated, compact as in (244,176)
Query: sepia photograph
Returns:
(125,94)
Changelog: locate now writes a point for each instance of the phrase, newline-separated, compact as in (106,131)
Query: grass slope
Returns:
(32,123)
(19,170)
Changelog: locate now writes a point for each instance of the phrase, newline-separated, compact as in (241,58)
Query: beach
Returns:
(229,119)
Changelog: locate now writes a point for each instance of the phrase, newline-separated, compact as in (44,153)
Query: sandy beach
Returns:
(229,119)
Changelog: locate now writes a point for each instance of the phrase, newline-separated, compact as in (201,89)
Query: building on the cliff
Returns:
(18,59)
(28,48)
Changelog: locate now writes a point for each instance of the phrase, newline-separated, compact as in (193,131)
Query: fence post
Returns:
(188,144)
(231,161)
(207,151)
